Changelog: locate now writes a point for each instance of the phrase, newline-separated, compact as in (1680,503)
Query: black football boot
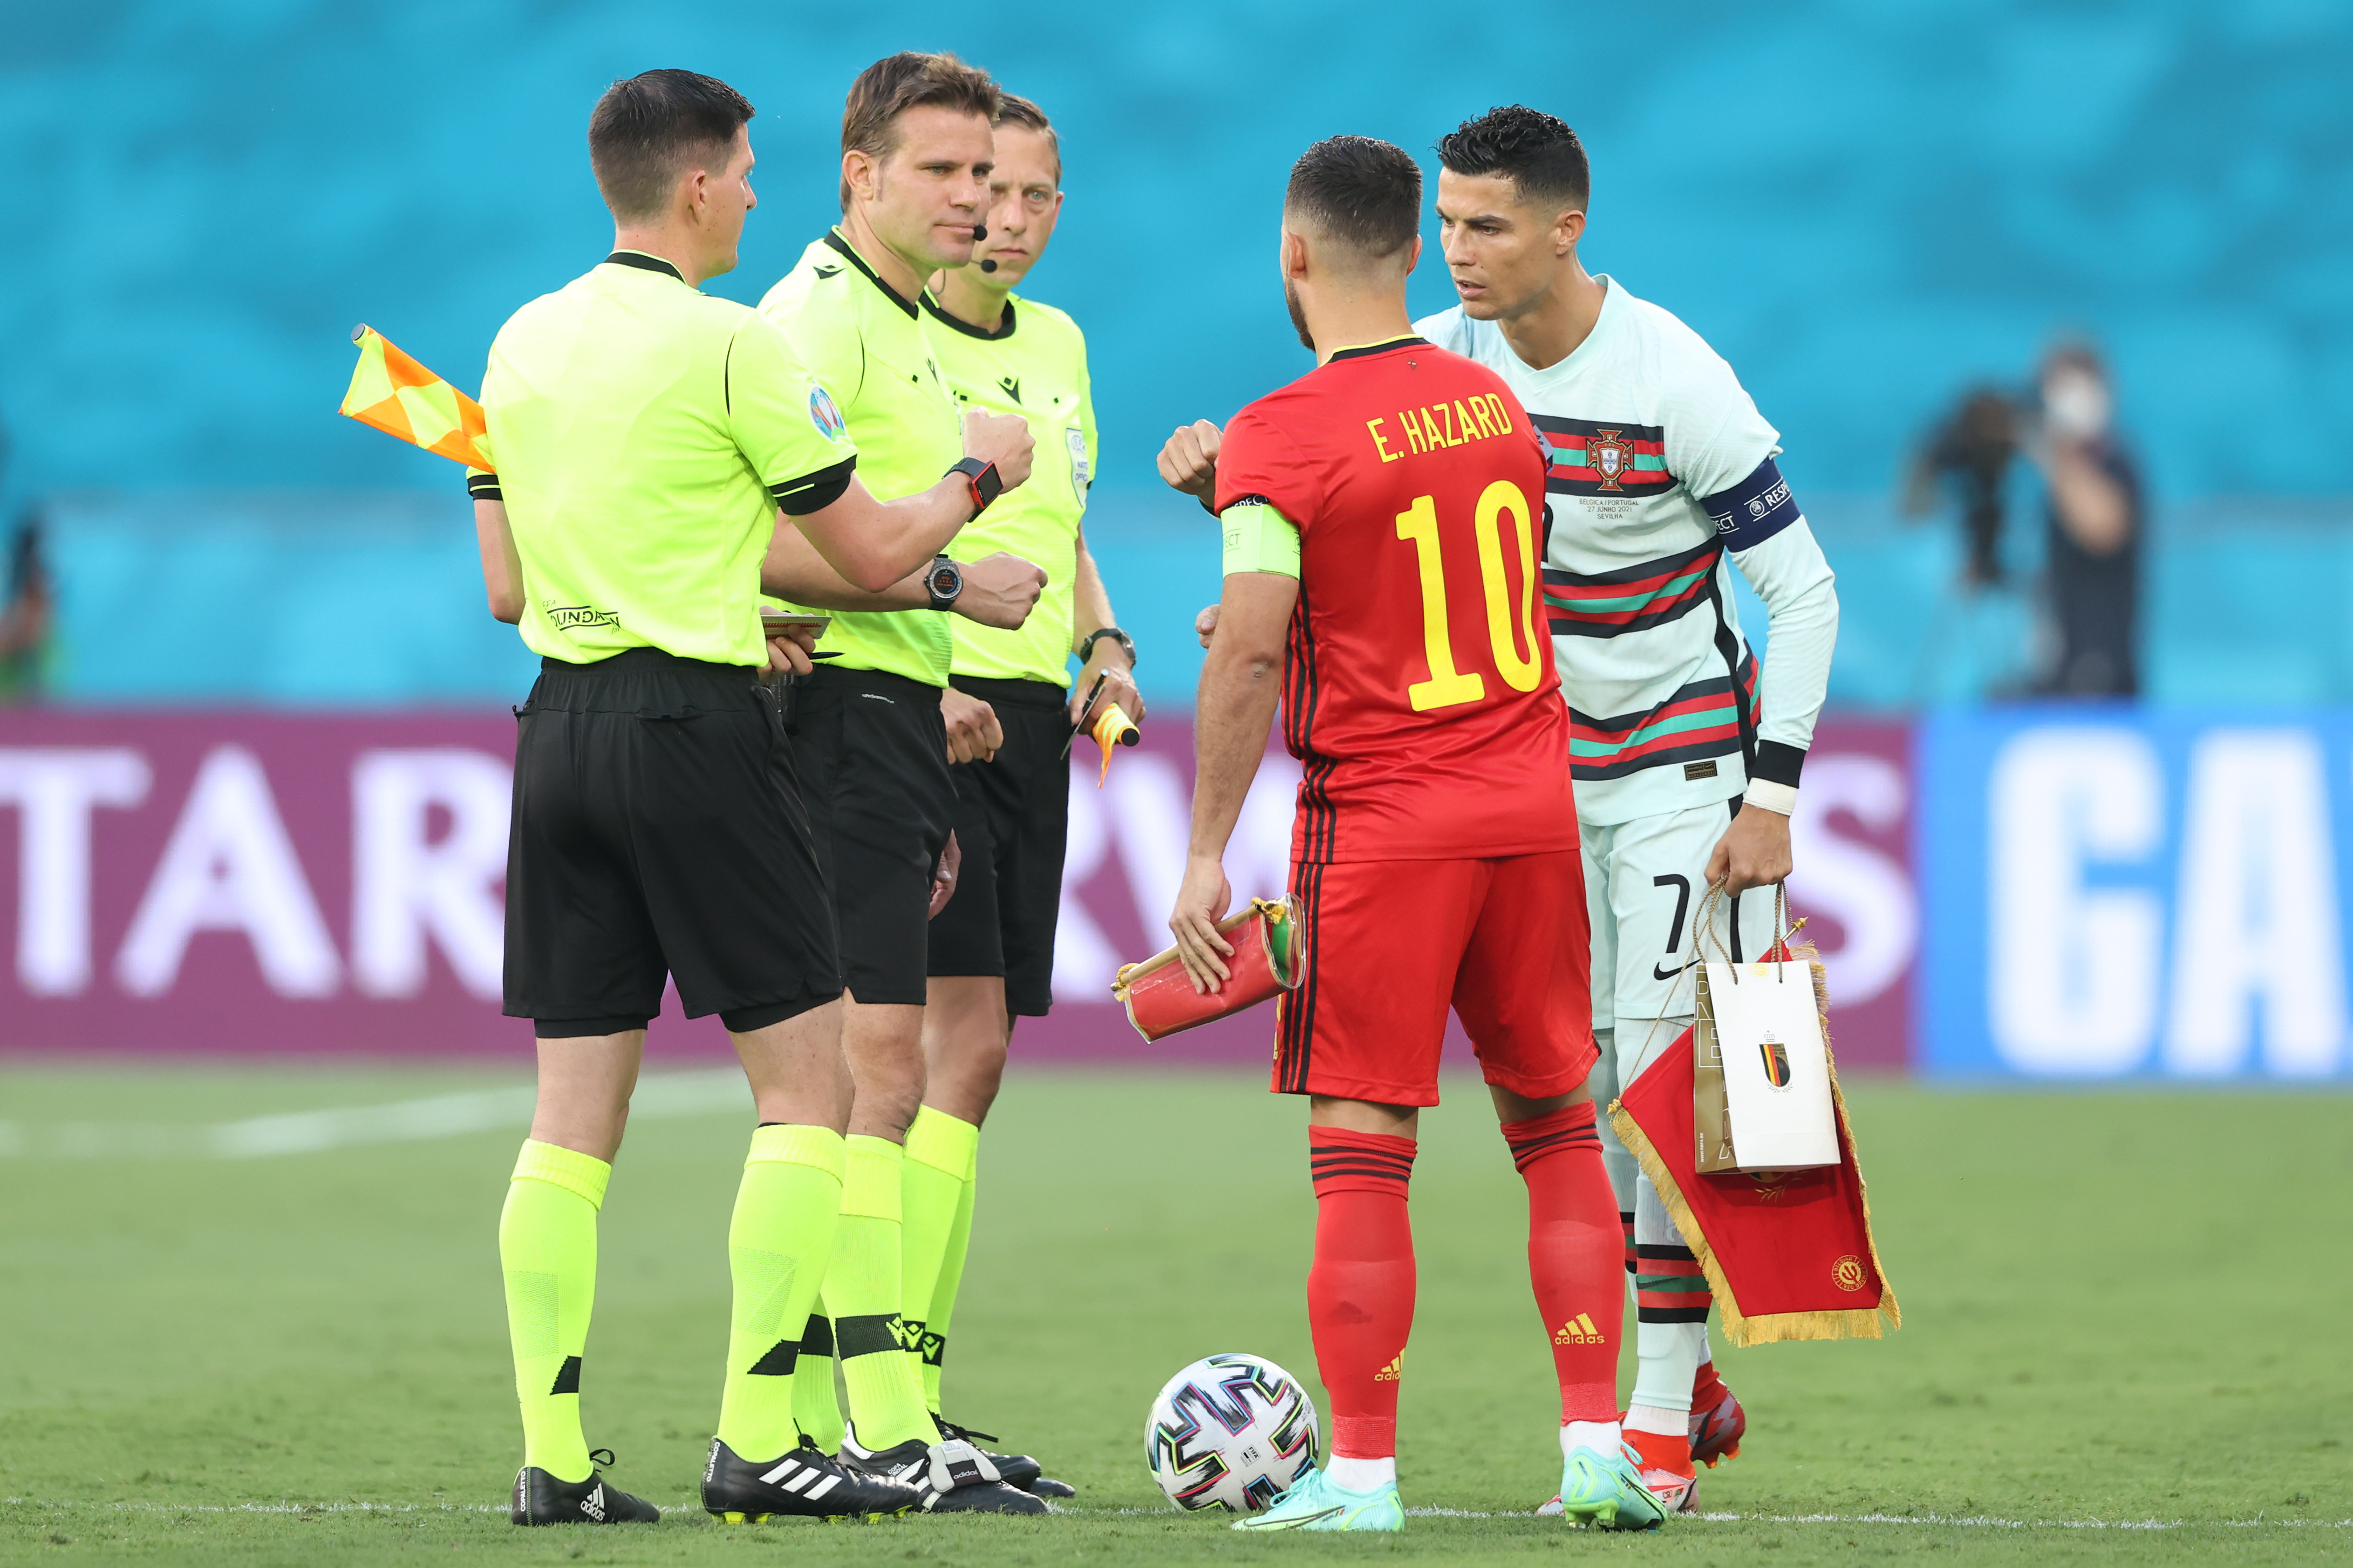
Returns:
(950,1477)
(541,1498)
(1016,1469)
(807,1483)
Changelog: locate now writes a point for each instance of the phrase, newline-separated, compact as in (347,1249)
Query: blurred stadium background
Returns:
(253,766)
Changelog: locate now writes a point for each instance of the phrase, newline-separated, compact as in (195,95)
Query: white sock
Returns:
(1601,1437)
(1361,1475)
(1657,1420)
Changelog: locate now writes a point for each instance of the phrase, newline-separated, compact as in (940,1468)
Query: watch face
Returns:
(945,582)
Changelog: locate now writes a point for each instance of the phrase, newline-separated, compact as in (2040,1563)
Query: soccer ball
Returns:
(1230,1432)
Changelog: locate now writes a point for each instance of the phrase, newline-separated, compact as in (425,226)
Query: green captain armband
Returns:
(1260,538)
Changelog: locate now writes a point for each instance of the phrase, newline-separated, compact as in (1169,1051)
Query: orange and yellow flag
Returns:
(401,397)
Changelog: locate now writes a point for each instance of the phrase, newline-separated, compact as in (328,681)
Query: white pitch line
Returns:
(1970,1522)
(659,1097)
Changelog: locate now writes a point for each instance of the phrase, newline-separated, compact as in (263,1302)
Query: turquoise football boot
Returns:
(1607,1489)
(1314,1503)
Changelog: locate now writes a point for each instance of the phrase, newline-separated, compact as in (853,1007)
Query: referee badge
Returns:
(1081,475)
(823,415)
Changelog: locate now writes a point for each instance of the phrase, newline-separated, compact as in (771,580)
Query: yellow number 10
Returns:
(1447,686)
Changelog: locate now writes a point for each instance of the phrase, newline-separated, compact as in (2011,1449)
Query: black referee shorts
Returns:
(658,829)
(873,753)
(1013,817)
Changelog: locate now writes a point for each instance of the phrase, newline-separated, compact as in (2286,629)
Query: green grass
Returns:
(2121,1309)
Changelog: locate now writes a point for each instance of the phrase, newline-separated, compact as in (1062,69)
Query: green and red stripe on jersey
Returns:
(1669,1286)
(1603,603)
(1603,457)
(1701,719)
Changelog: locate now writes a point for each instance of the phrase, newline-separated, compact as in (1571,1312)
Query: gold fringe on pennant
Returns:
(1768,1328)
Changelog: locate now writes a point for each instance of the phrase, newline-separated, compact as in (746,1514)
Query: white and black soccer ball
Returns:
(1230,1432)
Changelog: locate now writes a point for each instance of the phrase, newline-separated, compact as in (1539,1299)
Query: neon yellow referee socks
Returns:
(863,1290)
(940,1153)
(547,1245)
(816,1409)
(944,1294)
(777,1246)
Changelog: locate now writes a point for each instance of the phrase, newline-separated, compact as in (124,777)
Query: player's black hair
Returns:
(1536,152)
(1365,194)
(651,128)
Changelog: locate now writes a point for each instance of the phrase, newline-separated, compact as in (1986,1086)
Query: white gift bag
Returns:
(1760,1025)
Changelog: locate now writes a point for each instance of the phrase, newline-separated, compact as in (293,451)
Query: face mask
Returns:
(2076,406)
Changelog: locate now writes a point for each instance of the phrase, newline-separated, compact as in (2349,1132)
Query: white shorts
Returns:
(1645,881)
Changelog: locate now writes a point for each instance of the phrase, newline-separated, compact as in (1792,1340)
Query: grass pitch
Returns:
(2123,1339)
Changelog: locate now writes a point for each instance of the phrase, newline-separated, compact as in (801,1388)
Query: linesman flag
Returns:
(402,398)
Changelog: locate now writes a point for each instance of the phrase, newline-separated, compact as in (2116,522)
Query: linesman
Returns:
(647,436)
(1010,709)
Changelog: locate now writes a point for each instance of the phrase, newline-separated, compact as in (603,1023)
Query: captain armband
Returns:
(1259,538)
(1753,511)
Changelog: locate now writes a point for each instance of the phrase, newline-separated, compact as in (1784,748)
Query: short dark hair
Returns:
(1536,152)
(1019,111)
(651,128)
(897,83)
(1363,193)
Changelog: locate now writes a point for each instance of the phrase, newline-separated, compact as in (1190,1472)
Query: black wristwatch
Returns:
(945,580)
(1087,644)
(981,480)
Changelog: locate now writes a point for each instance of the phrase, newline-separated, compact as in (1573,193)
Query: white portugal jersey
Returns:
(1662,478)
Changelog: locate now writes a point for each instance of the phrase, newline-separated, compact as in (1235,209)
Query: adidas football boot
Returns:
(1607,1490)
(1313,1503)
(807,1483)
(948,1477)
(541,1498)
(1018,1469)
(1716,1426)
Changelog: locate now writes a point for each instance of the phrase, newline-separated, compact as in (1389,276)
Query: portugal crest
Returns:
(1608,455)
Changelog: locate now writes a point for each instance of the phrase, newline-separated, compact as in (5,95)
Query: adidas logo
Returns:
(1580,1330)
(593,1505)
(1391,1372)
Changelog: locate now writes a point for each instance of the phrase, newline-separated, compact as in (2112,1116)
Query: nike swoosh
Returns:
(1303,1523)
(1658,973)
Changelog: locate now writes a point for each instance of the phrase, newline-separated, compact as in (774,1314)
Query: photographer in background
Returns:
(2096,530)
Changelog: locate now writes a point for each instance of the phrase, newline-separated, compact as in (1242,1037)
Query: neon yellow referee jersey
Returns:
(868,343)
(1034,364)
(646,432)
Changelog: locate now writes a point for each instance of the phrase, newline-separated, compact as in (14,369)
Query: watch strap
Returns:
(1087,644)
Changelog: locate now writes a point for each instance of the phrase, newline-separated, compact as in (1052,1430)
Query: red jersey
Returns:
(1418,689)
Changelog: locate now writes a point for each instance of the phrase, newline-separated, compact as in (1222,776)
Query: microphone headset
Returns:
(979,233)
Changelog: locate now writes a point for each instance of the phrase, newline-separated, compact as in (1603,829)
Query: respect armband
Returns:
(1753,511)
(1259,539)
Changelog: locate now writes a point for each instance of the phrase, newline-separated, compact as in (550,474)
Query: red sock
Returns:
(1575,1253)
(1360,1290)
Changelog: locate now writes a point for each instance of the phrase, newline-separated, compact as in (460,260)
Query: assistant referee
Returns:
(646,434)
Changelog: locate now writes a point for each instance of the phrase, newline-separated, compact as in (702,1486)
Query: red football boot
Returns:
(1717,1422)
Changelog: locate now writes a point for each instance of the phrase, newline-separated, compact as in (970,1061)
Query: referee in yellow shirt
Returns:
(1010,709)
(647,436)
(916,152)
